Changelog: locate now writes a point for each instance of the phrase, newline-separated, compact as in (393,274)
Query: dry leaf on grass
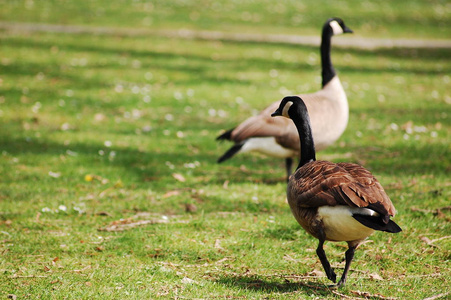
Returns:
(187,280)
(443,295)
(189,207)
(171,193)
(431,242)
(218,245)
(122,227)
(317,273)
(179,177)
(367,295)
(375,276)
(289,258)
(129,223)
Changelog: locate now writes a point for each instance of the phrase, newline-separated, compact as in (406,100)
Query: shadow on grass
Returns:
(270,286)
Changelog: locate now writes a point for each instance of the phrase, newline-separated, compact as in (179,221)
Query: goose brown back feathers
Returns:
(321,183)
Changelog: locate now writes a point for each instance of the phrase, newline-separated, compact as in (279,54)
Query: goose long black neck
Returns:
(328,71)
(301,119)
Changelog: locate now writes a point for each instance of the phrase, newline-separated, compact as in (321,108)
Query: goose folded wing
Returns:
(259,126)
(368,188)
(325,183)
(318,184)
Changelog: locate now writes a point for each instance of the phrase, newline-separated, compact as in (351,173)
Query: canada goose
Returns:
(278,137)
(333,202)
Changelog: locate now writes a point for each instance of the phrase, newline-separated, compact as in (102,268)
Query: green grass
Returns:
(385,19)
(95,129)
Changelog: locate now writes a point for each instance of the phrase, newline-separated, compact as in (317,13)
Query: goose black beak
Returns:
(276,113)
(347,30)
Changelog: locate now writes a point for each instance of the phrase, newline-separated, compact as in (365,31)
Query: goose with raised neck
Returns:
(333,201)
(328,108)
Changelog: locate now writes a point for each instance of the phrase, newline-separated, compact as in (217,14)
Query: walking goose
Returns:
(333,202)
(278,137)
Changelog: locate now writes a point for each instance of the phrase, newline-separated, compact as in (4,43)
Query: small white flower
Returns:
(273,73)
(71,153)
(178,95)
(147,99)
(212,112)
(65,126)
(118,88)
(54,174)
(394,126)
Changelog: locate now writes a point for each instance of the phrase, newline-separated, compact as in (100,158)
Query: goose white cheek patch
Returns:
(336,28)
(286,108)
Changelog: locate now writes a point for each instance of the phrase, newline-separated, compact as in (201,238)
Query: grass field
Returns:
(110,187)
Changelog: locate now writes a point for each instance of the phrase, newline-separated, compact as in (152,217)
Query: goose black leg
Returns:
(326,265)
(349,256)
(288,164)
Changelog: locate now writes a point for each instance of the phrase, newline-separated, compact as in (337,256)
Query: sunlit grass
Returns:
(103,131)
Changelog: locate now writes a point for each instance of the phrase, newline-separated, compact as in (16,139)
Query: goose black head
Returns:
(338,26)
(285,105)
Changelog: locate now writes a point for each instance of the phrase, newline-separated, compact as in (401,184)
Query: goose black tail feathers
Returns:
(376,223)
(225,136)
(231,152)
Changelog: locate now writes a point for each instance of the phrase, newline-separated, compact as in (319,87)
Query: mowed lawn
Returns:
(109,184)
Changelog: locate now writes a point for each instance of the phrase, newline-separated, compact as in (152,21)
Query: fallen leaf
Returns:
(187,280)
(171,193)
(426,240)
(118,184)
(317,273)
(437,296)
(179,177)
(99,117)
(189,207)
(103,213)
(122,227)
(375,276)
(225,185)
(218,245)
(289,258)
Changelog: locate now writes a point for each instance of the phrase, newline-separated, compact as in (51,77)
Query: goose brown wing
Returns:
(264,125)
(320,183)
(368,188)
